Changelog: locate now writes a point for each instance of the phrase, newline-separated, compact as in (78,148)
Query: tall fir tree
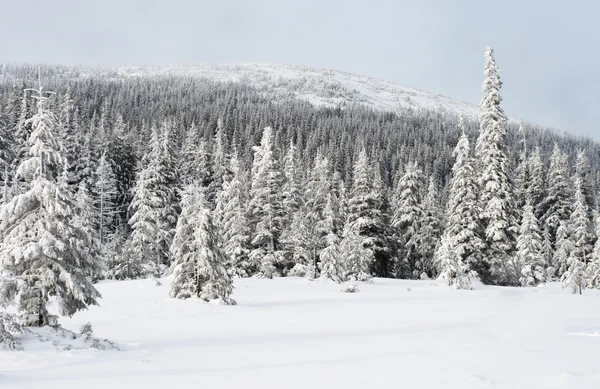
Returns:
(233,229)
(105,197)
(495,195)
(462,229)
(406,220)
(556,206)
(265,208)
(43,250)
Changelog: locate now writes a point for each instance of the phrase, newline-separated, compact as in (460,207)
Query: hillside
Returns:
(295,333)
(319,86)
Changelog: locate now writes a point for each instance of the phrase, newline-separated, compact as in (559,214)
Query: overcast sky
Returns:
(548,51)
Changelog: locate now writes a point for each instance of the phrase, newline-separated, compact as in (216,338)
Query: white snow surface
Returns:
(294,333)
(321,87)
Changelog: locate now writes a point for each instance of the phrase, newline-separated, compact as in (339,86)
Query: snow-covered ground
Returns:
(294,333)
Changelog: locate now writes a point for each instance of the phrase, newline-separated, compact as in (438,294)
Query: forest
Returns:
(105,177)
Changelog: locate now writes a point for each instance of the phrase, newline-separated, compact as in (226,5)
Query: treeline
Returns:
(214,180)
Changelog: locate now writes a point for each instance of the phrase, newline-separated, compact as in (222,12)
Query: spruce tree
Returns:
(495,195)
(43,250)
(233,229)
(265,208)
(593,268)
(557,204)
(536,190)
(431,228)
(198,263)
(451,267)
(462,228)
(407,218)
(529,261)
(106,192)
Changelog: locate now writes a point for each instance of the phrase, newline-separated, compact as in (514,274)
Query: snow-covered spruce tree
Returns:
(356,259)
(593,268)
(233,228)
(294,214)
(366,220)
(42,250)
(84,220)
(7,145)
(265,208)
(462,227)
(564,248)
(329,256)
(431,229)
(582,239)
(144,241)
(530,261)
(556,206)
(584,176)
(105,195)
(523,175)
(536,190)
(167,186)
(576,276)
(298,239)
(188,157)
(316,196)
(220,163)
(495,196)
(198,263)
(452,268)
(406,220)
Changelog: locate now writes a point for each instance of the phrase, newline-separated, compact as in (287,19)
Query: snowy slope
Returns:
(293,333)
(318,86)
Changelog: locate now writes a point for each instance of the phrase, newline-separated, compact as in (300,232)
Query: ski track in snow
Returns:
(295,333)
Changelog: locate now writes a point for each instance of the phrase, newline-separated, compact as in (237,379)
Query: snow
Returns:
(295,333)
(320,87)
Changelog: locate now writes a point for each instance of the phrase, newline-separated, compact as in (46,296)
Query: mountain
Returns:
(321,87)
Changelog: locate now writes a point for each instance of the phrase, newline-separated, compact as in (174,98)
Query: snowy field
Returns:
(294,333)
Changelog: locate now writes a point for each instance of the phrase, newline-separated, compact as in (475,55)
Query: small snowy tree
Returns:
(198,263)
(529,259)
(356,259)
(452,268)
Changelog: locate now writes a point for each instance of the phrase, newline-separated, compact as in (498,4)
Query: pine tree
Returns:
(407,218)
(220,162)
(529,260)
(42,248)
(198,263)
(462,227)
(265,208)
(106,192)
(495,196)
